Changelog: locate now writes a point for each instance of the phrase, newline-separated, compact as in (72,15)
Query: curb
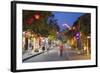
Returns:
(32,56)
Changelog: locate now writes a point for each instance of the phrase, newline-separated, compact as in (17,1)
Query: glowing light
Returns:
(78,36)
(73,28)
(88,36)
(37,16)
(57,32)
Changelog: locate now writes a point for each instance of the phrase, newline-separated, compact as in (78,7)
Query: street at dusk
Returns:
(56,36)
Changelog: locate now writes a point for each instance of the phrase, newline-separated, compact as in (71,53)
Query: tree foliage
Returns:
(40,26)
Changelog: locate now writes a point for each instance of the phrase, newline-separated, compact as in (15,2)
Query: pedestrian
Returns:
(43,48)
(61,50)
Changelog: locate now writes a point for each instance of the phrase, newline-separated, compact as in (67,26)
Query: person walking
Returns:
(61,50)
(43,48)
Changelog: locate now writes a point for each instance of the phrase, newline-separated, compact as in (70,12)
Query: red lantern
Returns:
(37,16)
(29,21)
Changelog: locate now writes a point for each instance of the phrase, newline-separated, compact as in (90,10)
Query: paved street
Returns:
(53,55)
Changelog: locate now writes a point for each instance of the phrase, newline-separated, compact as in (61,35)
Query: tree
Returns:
(53,22)
(39,25)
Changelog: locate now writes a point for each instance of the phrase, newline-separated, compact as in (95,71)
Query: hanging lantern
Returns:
(37,16)
(29,21)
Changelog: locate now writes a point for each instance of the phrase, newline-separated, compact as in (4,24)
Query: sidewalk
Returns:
(30,53)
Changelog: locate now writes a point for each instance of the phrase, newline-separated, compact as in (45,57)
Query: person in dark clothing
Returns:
(43,48)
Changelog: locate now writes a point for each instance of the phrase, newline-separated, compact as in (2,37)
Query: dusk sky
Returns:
(66,18)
